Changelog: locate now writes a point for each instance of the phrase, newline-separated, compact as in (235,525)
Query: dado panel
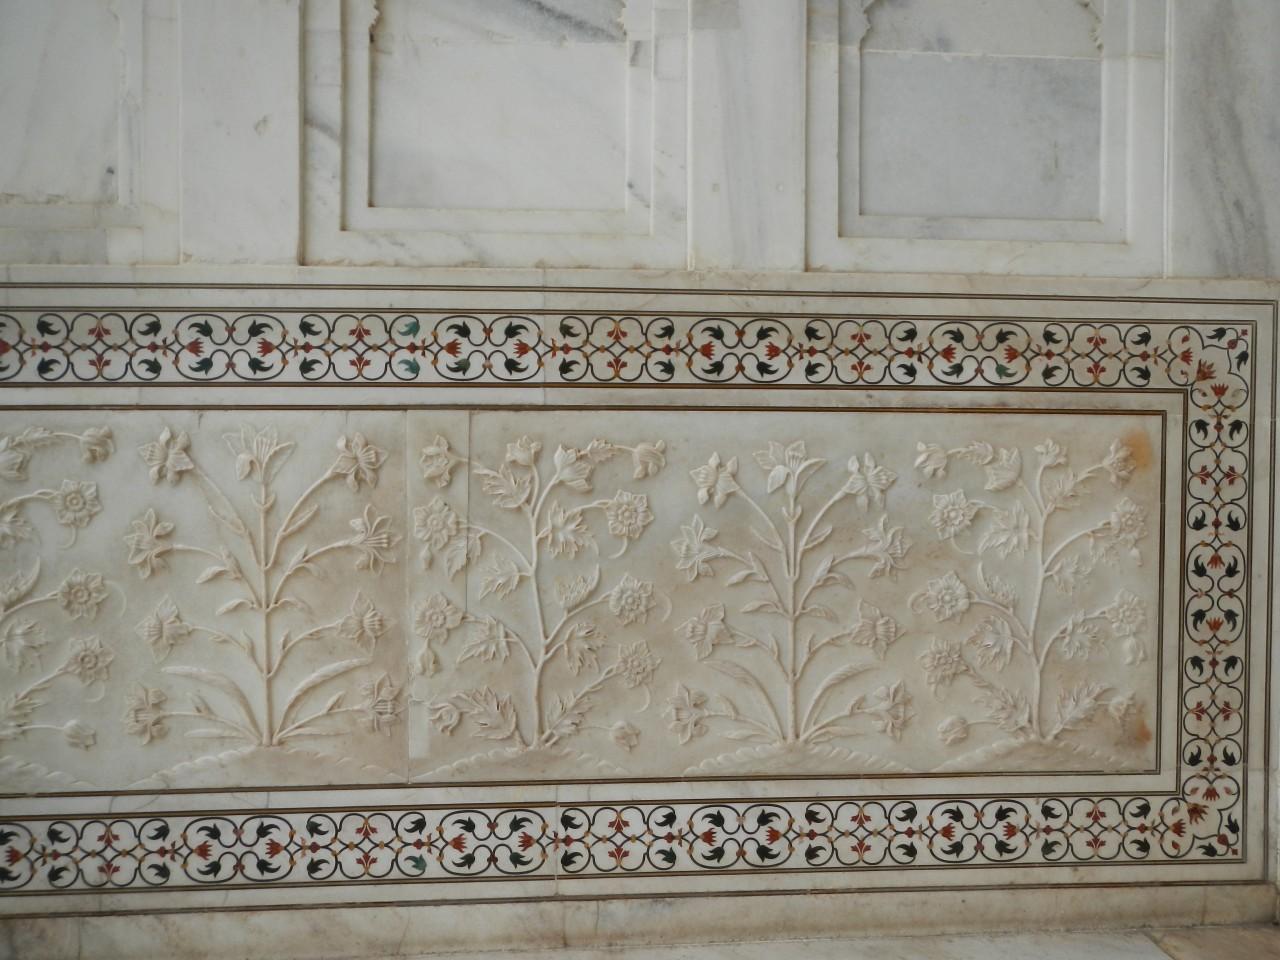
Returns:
(657,591)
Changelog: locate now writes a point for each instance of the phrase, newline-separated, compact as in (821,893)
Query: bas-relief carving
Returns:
(683,594)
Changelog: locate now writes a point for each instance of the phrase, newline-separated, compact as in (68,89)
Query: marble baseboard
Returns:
(473,594)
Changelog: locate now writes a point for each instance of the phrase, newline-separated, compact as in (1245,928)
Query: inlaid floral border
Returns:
(1210,362)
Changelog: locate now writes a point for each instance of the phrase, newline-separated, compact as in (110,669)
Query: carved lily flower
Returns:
(97,444)
(381,705)
(632,599)
(146,544)
(364,625)
(892,710)
(785,465)
(75,503)
(144,714)
(687,712)
(358,461)
(81,594)
(254,450)
(79,735)
(167,456)
(716,482)
(953,513)
(888,547)
(706,630)
(437,462)
(693,549)
(164,629)
(89,661)
(867,481)
(874,629)
(374,539)
(1118,463)
(628,514)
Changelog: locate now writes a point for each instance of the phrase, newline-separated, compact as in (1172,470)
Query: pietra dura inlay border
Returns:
(1223,646)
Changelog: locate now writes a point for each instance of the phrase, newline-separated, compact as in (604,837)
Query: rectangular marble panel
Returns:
(538,591)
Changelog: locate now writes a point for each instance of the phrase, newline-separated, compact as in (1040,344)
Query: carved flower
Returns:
(888,546)
(253,450)
(12,527)
(1118,463)
(358,461)
(21,643)
(706,630)
(1052,453)
(381,704)
(573,469)
(167,456)
(364,625)
(79,735)
(163,629)
(693,550)
(1126,526)
(76,503)
(628,514)
(13,459)
(97,444)
(632,599)
(648,458)
(874,629)
(444,716)
(146,544)
(952,514)
(435,617)
(943,662)
(867,481)
(81,594)
(687,711)
(637,664)
(716,482)
(374,539)
(437,462)
(953,730)
(89,661)
(1078,637)
(931,460)
(892,710)
(524,452)
(624,735)
(785,465)
(435,525)
(946,597)
(1127,614)
(565,532)
(144,714)
(1004,472)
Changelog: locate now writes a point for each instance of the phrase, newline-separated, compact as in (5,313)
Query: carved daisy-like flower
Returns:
(1126,525)
(867,481)
(146,543)
(437,462)
(381,705)
(89,661)
(628,514)
(81,594)
(374,539)
(874,629)
(687,712)
(565,532)
(163,629)
(1118,463)
(75,503)
(1127,614)
(706,630)
(435,525)
(632,599)
(952,514)
(435,617)
(358,461)
(693,549)
(254,449)
(716,482)
(12,527)
(637,664)
(97,444)
(364,625)
(943,662)
(891,711)
(144,714)
(946,597)
(167,457)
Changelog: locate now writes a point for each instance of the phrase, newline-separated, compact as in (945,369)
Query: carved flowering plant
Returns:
(553,572)
(280,702)
(805,651)
(27,648)
(1029,618)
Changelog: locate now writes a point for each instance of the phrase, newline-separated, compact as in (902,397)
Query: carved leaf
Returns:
(458,552)
(755,572)
(494,716)
(320,676)
(16,587)
(1079,704)
(219,681)
(300,521)
(508,490)
(500,577)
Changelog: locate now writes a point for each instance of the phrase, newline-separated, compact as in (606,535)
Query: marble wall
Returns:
(1055,137)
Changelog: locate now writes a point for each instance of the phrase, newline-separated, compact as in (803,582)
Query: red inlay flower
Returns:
(203,850)
(1204,371)
(265,346)
(452,348)
(522,348)
(526,841)
(708,349)
(459,843)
